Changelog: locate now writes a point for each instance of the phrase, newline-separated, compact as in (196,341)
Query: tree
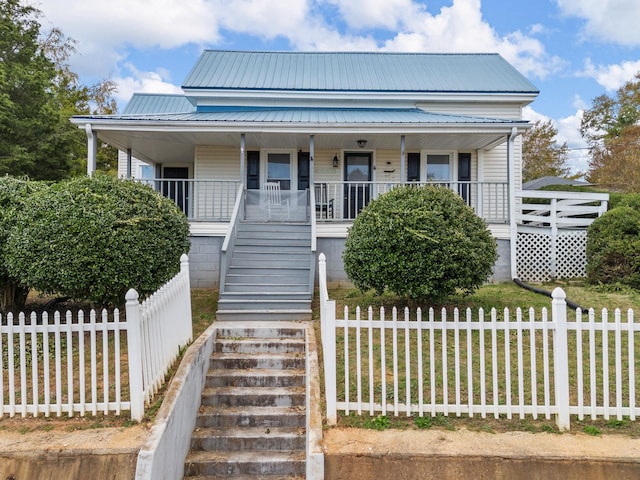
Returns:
(38,94)
(419,242)
(13,195)
(542,155)
(94,238)
(611,128)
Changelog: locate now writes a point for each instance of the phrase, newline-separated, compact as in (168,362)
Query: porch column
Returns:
(92,149)
(129,163)
(403,159)
(513,228)
(243,176)
(312,154)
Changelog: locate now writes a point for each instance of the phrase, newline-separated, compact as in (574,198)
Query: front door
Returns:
(279,169)
(175,188)
(357,189)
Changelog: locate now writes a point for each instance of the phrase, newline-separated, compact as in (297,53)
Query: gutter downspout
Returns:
(92,149)
(513,227)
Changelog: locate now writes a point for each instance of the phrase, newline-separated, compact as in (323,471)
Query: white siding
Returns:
(512,111)
(135,165)
(217,163)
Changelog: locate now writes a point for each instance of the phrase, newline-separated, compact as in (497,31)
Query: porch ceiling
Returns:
(173,146)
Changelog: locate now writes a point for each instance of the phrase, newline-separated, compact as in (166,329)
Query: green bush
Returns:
(94,238)
(613,248)
(624,200)
(419,242)
(13,194)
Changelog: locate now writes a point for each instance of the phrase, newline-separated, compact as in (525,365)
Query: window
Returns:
(438,168)
(279,169)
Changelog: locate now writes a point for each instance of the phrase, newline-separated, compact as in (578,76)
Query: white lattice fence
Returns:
(541,257)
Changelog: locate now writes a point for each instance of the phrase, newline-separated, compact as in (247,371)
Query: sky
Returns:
(571,50)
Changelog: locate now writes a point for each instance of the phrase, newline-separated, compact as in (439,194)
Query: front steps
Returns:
(269,276)
(252,420)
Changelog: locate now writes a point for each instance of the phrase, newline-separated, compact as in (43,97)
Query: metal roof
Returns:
(356,71)
(310,115)
(146,103)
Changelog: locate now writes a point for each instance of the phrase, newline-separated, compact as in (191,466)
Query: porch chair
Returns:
(273,199)
(324,206)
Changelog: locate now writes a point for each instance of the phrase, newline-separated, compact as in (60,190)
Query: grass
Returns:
(500,296)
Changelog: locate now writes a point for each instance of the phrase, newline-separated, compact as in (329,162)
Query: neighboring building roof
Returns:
(357,71)
(542,182)
(150,109)
(148,103)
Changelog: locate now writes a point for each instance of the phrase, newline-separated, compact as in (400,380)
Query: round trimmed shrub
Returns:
(419,242)
(94,238)
(613,248)
(14,192)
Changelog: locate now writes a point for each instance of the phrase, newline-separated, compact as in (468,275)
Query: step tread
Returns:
(248,432)
(252,391)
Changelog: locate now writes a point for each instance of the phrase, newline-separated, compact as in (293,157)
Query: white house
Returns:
(349,124)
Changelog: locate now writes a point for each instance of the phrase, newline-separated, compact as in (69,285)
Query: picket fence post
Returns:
(560,358)
(328,332)
(134,353)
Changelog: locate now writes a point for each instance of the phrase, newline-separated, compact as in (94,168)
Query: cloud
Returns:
(611,20)
(611,77)
(143,82)
(385,14)
(461,28)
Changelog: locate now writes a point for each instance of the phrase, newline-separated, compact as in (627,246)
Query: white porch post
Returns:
(312,154)
(243,155)
(403,159)
(513,228)
(92,149)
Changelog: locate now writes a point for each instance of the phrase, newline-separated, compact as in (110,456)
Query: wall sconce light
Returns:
(362,143)
(336,162)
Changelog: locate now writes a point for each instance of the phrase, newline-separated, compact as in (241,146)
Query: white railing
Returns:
(337,201)
(560,209)
(84,364)
(200,200)
(481,363)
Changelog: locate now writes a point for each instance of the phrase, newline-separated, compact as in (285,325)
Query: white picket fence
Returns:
(60,364)
(480,363)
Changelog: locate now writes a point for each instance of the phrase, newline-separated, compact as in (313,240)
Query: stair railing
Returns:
(312,217)
(230,237)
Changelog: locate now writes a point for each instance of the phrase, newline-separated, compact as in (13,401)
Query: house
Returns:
(312,137)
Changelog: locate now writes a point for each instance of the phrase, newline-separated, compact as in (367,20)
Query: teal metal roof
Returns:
(356,71)
(313,115)
(148,103)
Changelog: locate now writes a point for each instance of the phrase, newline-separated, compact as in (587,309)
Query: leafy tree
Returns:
(611,128)
(419,242)
(13,195)
(38,94)
(613,247)
(541,154)
(94,238)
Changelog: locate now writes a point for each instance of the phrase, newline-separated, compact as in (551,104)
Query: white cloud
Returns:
(612,20)
(144,82)
(461,28)
(387,14)
(611,77)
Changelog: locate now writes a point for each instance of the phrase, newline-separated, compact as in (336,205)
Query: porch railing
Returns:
(200,200)
(213,200)
(345,200)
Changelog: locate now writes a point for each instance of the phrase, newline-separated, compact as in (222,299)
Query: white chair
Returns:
(276,205)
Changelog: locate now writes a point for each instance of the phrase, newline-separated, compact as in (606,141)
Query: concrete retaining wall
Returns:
(162,456)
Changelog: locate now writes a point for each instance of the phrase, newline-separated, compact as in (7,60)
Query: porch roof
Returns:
(160,136)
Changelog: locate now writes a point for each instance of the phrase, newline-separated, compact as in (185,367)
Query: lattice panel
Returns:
(532,257)
(572,254)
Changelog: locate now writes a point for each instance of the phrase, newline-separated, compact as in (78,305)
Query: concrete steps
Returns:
(252,419)
(269,274)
